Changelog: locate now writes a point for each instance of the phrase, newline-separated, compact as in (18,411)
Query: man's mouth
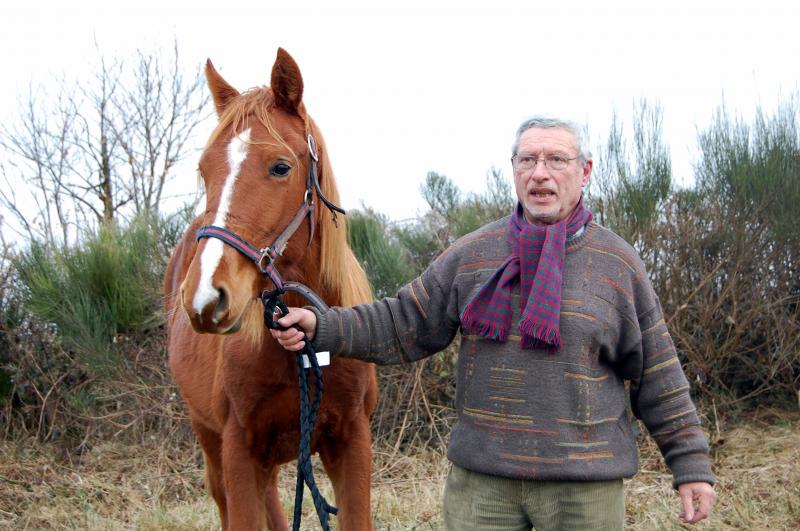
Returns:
(542,194)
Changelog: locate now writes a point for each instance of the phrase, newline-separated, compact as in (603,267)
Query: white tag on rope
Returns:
(323,358)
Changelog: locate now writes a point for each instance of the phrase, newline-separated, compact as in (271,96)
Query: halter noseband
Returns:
(265,257)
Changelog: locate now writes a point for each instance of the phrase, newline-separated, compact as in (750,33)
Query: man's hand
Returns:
(698,498)
(292,338)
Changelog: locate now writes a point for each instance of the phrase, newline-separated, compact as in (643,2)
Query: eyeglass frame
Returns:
(543,160)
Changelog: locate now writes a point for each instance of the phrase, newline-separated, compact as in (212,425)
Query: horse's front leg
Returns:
(348,462)
(276,519)
(244,486)
(212,456)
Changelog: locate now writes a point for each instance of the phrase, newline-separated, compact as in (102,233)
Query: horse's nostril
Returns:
(222,305)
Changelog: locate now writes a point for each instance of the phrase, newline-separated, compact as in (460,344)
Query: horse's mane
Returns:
(341,277)
(341,271)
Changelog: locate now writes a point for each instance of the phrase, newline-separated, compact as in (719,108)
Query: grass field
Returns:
(159,486)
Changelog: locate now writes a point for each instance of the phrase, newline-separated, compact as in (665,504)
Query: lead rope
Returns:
(308,415)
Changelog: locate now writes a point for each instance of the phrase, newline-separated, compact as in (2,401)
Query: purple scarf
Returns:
(537,258)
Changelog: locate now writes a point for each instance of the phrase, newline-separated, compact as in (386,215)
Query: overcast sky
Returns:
(402,91)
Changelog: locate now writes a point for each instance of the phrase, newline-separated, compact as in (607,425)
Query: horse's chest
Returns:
(273,431)
(264,396)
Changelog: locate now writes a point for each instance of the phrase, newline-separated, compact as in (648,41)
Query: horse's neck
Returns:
(310,273)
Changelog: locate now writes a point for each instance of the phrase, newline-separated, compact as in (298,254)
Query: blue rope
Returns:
(308,417)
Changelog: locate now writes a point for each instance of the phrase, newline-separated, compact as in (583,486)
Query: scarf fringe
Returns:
(537,335)
(493,331)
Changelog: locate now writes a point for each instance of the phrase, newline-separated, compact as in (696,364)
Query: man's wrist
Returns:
(321,340)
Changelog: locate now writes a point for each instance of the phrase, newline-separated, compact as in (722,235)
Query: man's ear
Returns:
(587,172)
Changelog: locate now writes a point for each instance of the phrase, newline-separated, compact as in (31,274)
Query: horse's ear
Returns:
(221,91)
(286,82)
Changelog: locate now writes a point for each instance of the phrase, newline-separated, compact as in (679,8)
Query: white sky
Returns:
(402,91)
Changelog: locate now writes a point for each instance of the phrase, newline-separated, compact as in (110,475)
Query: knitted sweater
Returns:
(537,414)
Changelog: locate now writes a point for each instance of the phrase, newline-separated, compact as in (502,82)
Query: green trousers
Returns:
(474,501)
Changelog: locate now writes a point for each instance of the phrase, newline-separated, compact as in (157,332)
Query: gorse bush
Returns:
(752,171)
(631,180)
(83,345)
(10,316)
(742,329)
(722,255)
(383,258)
(108,286)
(479,209)
(452,214)
(394,254)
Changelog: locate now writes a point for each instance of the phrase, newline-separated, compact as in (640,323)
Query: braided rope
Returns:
(308,416)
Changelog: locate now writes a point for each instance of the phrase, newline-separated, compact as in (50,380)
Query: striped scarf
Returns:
(537,258)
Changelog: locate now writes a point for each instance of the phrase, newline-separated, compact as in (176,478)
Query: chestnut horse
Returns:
(239,385)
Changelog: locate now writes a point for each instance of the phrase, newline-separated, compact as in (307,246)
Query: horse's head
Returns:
(255,169)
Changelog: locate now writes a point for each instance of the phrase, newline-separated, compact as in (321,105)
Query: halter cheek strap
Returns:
(312,177)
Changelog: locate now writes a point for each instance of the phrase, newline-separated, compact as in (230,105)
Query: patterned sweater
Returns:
(535,414)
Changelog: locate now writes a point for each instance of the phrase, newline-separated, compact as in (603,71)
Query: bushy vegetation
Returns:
(384,259)
(81,348)
(722,254)
(92,294)
(82,333)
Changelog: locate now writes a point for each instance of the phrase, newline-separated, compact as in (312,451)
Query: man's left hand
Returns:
(698,498)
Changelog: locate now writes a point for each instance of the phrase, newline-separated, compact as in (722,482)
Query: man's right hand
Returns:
(292,338)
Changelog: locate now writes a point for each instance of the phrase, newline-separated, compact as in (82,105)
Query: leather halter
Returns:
(265,257)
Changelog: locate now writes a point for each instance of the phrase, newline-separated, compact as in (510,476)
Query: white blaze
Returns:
(209,260)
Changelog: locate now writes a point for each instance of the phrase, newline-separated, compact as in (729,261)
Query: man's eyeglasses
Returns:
(528,162)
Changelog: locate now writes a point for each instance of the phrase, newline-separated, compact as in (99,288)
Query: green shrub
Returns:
(107,286)
(382,257)
(752,171)
(633,176)
(722,255)
(453,215)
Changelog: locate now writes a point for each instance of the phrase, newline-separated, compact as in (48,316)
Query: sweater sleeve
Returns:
(660,397)
(419,321)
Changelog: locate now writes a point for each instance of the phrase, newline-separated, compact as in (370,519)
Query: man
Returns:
(556,314)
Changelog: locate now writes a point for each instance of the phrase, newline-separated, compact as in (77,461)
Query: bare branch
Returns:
(94,151)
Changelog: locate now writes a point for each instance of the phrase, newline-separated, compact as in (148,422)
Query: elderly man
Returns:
(556,313)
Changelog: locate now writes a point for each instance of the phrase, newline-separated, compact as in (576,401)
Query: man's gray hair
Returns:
(546,122)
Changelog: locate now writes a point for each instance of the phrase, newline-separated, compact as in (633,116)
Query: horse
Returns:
(239,386)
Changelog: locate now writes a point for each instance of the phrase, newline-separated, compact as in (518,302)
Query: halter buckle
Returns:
(268,255)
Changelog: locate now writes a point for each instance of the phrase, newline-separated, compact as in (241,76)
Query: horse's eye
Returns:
(280,169)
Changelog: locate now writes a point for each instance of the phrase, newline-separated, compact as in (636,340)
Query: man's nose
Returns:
(540,171)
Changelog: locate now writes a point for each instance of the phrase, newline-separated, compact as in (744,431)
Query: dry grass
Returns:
(759,479)
(158,486)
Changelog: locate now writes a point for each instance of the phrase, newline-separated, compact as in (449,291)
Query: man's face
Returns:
(548,195)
